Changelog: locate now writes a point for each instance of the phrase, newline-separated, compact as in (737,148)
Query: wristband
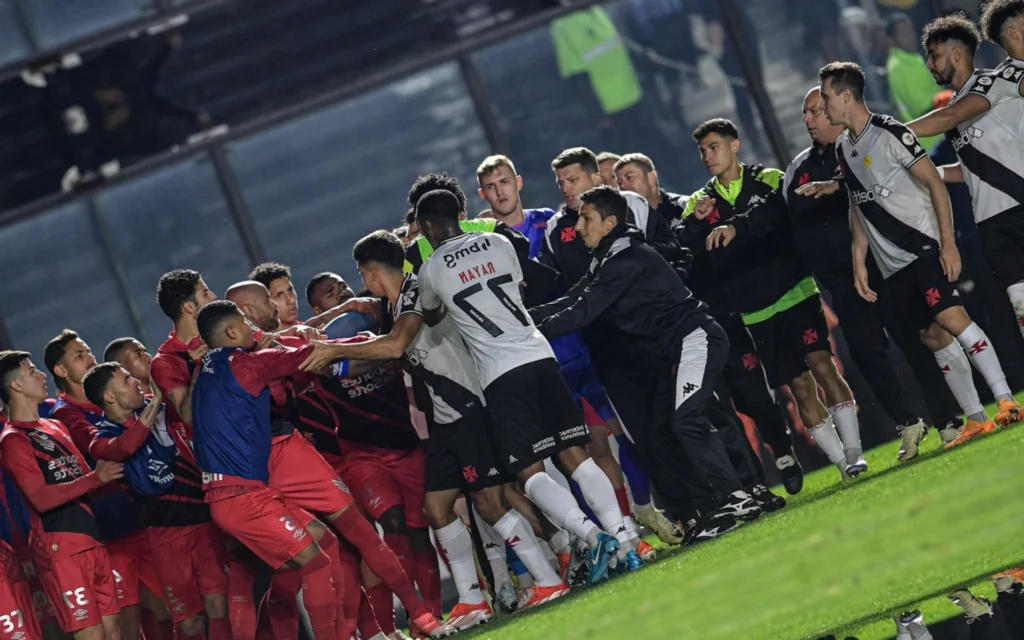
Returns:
(340,369)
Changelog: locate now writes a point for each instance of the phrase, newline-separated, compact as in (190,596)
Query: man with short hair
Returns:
(606,167)
(232,398)
(132,355)
(277,278)
(1002,21)
(160,470)
(462,453)
(903,213)
(180,294)
(69,360)
(635,172)
(631,287)
(532,410)
(982,121)
(500,185)
(41,458)
(327,290)
(764,280)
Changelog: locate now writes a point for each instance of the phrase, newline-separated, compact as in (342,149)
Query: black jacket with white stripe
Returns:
(630,287)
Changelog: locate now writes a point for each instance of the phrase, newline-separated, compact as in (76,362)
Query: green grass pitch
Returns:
(841,558)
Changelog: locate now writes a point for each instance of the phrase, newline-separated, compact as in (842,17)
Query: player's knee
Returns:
(935,338)
(804,387)
(490,503)
(192,627)
(599,448)
(438,510)
(419,539)
(823,369)
(392,520)
(216,605)
(316,530)
(304,557)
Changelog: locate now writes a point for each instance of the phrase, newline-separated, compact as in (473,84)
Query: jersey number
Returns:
(12,621)
(461,299)
(79,598)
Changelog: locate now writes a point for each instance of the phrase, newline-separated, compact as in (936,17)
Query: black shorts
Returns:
(1003,238)
(463,455)
(534,414)
(922,291)
(784,340)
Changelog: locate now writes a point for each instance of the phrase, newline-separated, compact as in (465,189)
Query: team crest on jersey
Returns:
(984,80)
(908,138)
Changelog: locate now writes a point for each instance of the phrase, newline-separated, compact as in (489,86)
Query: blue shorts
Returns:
(582,380)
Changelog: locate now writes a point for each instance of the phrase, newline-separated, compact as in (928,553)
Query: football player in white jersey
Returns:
(985,123)
(476,278)
(900,209)
(1002,21)
(462,453)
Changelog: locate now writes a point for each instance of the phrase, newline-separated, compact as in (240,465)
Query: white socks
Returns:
(559,505)
(954,365)
(518,534)
(494,549)
(559,543)
(458,548)
(1016,293)
(827,439)
(983,355)
(844,416)
(597,490)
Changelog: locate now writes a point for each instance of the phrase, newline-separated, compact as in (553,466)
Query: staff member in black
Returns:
(633,291)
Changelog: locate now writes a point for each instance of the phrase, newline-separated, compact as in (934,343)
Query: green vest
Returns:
(417,253)
(588,42)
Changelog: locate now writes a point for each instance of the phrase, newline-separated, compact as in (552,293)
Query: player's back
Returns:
(477,277)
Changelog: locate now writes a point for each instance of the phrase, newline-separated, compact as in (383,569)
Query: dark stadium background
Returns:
(287,130)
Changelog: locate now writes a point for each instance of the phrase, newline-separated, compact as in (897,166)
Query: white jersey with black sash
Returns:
(894,209)
(991,145)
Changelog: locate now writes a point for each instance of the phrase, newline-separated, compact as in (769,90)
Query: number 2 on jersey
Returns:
(461,300)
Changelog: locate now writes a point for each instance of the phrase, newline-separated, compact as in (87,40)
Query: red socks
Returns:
(329,545)
(400,545)
(241,610)
(348,566)
(282,610)
(378,610)
(318,596)
(428,579)
(220,629)
(382,560)
(622,495)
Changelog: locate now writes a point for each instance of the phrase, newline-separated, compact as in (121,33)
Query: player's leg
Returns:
(210,557)
(82,610)
(17,619)
(241,608)
(124,562)
(175,563)
(409,472)
(1003,239)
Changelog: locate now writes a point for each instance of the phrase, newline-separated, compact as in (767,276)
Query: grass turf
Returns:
(839,558)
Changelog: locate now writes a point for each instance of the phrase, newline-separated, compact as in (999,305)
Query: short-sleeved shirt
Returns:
(991,145)
(477,277)
(439,357)
(894,209)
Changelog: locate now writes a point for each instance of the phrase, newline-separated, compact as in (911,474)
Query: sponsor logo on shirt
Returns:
(369,382)
(878,191)
(965,138)
(477,246)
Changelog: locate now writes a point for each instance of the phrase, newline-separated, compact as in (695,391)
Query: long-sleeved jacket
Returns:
(761,267)
(631,288)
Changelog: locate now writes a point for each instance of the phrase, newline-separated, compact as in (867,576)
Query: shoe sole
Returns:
(477,621)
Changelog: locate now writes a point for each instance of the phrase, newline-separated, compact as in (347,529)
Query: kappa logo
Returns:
(493,472)
(756,200)
(512,459)
(689,388)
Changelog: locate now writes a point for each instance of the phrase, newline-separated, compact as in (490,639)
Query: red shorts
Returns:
(304,478)
(190,562)
(259,518)
(81,588)
(130,571)
(17,622)
(45,613)
(383,479)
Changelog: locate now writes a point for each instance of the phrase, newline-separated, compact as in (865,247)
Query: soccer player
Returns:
(17,615)
(983,123)
(632,288)
(1003,23)
(132,355)
(903,213)
(500,186)
(69,359)
(462,453)
(42,460)
(327,290)
(180,294)
(232,402)
(606,167)
(278,279)
(306,480)
(160,469)
(764,280)
(532,410)
(743,381)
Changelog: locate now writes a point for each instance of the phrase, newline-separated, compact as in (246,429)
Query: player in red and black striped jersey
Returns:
(161,472)
(42,460)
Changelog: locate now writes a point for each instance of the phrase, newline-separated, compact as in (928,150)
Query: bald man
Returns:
(821,231)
